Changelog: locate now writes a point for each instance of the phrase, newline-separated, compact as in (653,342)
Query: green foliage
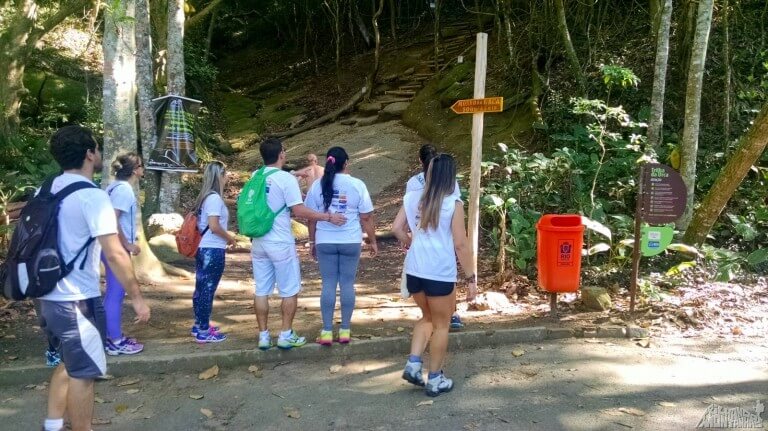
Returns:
(618,76)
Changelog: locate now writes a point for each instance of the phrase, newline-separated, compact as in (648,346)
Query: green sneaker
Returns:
(291,341)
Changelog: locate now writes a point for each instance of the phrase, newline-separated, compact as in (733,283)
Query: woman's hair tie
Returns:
(331,159)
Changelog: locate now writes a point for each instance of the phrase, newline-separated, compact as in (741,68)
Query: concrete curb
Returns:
(195,362)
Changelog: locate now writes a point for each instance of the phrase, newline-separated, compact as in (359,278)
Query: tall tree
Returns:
(570,52)
(438,8)
(689,145)
(727,65)
(739,163)
(656,123)
(17,39)
(145,84)
(122,40)
(170,182)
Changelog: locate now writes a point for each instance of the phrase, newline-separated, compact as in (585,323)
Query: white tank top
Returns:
(431,255)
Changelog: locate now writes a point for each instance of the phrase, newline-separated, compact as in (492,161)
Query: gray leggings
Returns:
(338,267)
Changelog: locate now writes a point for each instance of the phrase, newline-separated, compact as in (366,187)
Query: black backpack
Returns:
(34,263)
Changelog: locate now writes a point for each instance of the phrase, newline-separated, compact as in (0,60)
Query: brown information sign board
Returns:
(664,194)
(474,106)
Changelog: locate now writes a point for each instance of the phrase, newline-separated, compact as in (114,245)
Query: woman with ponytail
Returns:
(127,169)
(430,224)
(337,248)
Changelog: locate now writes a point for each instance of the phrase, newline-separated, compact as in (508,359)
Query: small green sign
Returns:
(655,239)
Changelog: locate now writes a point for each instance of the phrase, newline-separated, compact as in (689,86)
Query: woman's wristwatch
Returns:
(471,279)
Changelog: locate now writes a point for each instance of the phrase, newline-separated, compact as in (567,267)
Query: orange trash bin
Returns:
(559,239)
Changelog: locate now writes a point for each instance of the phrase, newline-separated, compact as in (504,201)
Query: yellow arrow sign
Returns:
(473,106)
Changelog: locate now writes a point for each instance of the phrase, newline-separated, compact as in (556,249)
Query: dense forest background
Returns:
(591,87)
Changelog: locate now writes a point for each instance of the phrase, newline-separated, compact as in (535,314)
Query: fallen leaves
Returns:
(101,421)
(667,404)
(518,352)
(197,396)
(128,381)
(132,391)
(335,369)
(256,370)
(425,403)
(209,373)
(632,411)
(644,343)
(207,413)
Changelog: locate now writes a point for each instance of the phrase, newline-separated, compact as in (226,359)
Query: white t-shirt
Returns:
(351,198)
(84,214)
(123,199)
(431,255)
(213,205)
(282,190)
(417,182)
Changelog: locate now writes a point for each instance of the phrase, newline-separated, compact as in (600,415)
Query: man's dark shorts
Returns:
(429,287)
(76,330)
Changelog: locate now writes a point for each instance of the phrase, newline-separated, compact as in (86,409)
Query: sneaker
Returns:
(344,336)
(213,336)
(438,385)
(126,346)
(456,322)
(326,338)
(265,342)
(195,329)
(413,373)
(52,358)
(291,341)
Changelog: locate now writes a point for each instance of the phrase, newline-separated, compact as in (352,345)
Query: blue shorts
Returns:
(76,330)
(429,287)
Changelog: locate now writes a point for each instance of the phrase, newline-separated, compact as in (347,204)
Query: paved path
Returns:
(574,384)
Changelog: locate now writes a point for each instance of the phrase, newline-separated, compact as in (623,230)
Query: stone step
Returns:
(410,87)
(400,93)
(385,102)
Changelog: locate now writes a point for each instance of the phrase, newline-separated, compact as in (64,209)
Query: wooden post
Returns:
(481,59)
(636,248)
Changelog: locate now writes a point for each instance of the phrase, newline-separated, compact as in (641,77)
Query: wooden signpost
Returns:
(477,107)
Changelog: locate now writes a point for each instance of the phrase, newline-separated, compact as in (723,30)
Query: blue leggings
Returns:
(210,267)
(338,267)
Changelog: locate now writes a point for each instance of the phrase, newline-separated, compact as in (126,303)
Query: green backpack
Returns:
(254,216)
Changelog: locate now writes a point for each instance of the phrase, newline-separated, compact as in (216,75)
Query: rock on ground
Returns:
(159,224)
(596,298)
(393,111)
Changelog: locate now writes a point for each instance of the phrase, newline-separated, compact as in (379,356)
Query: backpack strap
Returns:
(60,195)
(200,210)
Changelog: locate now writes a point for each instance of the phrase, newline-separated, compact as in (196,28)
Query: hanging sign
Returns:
(175,148)
(664,194)
(655,239)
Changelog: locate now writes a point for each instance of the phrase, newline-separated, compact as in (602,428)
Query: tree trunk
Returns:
(438,4)
(656,122)
(689,144)
(393,21)
(209,37)
(119,92)
(655,10)
(727,79)
(506,12)
(200,16)
(570,52)
(21,34)
(170,182)
(361,24)
(739,163)
(370,81)
(146,92)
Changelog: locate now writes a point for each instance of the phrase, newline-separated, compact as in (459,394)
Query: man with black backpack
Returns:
(72,315)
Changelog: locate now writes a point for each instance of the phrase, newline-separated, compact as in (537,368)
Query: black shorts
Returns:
(429,287)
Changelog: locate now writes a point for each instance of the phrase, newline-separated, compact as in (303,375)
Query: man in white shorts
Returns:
(72,315)
(275,261)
